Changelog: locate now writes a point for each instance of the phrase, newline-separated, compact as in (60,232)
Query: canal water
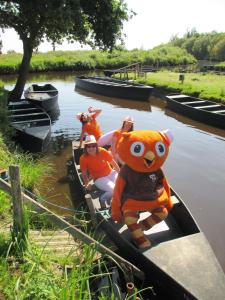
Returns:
(195,166)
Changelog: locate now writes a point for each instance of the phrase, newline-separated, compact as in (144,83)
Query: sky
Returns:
(155,23)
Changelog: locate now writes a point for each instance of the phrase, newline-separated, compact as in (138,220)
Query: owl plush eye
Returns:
(160,149)
(137,149)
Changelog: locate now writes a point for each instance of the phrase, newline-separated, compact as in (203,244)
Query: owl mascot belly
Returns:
(141,184)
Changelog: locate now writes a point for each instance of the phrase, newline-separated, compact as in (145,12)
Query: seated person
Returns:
(111,138)
(89,123)
(96,164)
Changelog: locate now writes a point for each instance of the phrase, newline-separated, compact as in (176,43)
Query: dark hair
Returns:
(131,128)
(85,149)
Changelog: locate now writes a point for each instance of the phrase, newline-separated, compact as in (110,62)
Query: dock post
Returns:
(91,209)
(20,230)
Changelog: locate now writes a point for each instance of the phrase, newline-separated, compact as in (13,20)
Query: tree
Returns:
(1,45)
(219,50)
(95,22)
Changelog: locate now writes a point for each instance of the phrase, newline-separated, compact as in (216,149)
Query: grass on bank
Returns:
(206,86)
(47,276)
(93,59)
(35,274)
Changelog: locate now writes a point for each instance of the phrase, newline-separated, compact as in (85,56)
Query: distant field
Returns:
(206,86)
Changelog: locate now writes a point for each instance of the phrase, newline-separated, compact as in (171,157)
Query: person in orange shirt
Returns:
(96,164)
(128,125)
(89,123)
(111,138)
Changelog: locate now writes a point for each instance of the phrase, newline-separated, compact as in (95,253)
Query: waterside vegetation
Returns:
(205,86)
(36,273)
(94,59)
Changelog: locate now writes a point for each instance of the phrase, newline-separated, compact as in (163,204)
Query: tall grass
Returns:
(41,275)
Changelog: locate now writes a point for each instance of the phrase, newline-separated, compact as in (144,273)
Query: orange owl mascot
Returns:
(141,184)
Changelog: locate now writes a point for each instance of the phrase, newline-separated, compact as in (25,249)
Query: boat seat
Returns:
(19,103)
(25,115)
(178,96)
(193,102)
(209,106)
(30,121)
(175,199)
(218,111)
(25,109)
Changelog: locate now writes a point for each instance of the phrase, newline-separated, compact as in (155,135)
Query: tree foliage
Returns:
(95,22)
(219,49)
(202,46)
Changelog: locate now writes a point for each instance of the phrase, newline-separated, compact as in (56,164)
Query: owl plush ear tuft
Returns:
(167,136)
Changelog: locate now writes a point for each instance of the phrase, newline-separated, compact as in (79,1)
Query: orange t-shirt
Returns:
(117,135)
(93,128)
(98,166)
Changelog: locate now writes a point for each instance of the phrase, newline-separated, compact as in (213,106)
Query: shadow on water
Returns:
(138,105)
(203,128)
(198,126)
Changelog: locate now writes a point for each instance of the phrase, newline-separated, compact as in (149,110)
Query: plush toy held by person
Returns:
(141,184)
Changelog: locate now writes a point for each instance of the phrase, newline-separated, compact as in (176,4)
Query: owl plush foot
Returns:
(143,242)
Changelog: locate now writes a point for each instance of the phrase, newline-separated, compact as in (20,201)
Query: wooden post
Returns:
(19,227)
(91,209)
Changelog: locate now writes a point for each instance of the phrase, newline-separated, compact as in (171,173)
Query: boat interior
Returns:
(179,248)
(205,105)
(25,113)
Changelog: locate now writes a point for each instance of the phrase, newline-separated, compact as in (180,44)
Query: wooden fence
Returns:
(19,198)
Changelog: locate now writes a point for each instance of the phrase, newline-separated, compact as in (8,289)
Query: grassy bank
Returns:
(206,86)
(37,273)
(93,59)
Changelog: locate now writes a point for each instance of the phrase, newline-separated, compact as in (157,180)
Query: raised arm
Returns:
(94,111)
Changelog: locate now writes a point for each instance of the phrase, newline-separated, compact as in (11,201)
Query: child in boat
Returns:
(89,123)
(111,138)
(96,163)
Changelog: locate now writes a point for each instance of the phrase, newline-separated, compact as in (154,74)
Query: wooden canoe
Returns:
(32,125)
(114,87)
(200,110)
(181,265)
(45,96)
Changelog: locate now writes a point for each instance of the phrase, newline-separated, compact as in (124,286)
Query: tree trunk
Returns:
(17,92)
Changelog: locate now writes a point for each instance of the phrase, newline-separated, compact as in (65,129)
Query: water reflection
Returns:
(117,102)
(195,166)
(197,125)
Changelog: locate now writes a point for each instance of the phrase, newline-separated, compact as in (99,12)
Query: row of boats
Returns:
(32,117)
(181,265)
(200,110)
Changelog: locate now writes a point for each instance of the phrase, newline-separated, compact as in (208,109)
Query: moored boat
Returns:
(114,87)
(45,96)
(32,125)
(200,110)
(181,265)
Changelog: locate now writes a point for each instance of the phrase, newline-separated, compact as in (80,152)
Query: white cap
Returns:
(90,140)
(128,119)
